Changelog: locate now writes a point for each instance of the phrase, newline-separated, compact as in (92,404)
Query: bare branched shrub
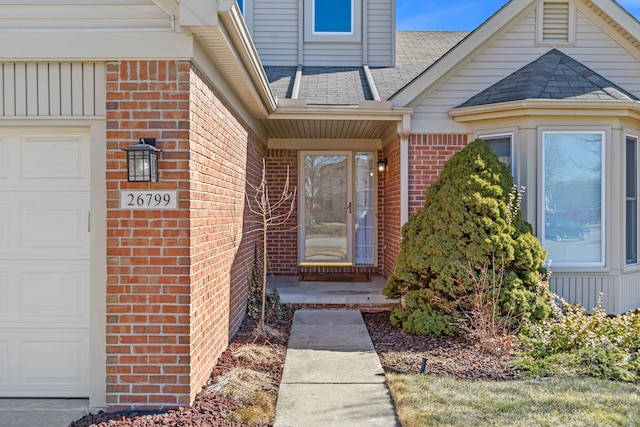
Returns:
(272,213)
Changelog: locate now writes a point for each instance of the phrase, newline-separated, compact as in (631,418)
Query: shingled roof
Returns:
(415,52)
(552,76)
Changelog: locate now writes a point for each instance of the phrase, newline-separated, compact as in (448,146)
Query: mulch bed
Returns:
(208,409)
(450,357)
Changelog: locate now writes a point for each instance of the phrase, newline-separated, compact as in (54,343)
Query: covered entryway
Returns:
(44,262)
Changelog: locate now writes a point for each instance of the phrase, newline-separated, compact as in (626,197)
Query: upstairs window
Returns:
(332,20)
(332,16)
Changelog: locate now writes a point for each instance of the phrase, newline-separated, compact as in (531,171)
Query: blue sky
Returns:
(464,15)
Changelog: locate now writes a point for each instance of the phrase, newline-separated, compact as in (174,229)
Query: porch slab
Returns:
(327,294)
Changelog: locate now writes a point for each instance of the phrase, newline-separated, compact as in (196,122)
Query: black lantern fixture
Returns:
(142,161)
(382,165)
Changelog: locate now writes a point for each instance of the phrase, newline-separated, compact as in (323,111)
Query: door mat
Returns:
(329,277)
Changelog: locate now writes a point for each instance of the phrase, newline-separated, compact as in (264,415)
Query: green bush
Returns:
(576,342)
(470,222)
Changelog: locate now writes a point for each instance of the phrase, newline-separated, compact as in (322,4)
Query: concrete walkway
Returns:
(332,375)
(41,412)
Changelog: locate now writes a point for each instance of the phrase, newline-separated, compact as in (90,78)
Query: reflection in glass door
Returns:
(327,206)
(337,222)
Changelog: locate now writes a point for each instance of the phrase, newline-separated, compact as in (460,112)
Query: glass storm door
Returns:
(337,208)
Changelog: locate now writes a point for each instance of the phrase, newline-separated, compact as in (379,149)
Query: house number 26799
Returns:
(148,200)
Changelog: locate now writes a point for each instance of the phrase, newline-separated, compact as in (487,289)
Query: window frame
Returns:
(311,35)
(627,199)
(604,135)
(511,136)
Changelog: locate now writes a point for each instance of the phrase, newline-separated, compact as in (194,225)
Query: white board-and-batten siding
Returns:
(517,47)
(78,14)
(52,89)
(616,294)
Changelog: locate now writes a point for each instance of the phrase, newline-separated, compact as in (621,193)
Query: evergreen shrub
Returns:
(470,225)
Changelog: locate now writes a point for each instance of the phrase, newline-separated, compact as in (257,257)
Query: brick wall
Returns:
(427,156)
(175,278)
(282,244)
(391,227)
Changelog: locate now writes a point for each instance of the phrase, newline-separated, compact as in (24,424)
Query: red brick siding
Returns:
(427,156)
(390,225)
(169,305)
(282,245)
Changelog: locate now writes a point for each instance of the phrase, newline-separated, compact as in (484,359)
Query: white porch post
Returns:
(404,129)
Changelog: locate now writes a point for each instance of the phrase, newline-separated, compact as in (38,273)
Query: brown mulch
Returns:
(446,357)
(450,357)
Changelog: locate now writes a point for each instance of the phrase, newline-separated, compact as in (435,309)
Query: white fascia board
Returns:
(340,112)
(94,45)
(413,93)
(324,143)
(620,15)
(238,98)
(198,13)
(543,107)
(238,34)
(170,7)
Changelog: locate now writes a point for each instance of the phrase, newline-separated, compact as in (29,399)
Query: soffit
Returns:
(367,120)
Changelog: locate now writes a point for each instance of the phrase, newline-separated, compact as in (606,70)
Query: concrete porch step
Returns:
(364,296)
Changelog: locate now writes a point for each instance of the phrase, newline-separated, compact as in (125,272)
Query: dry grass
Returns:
(430,401)
(259,412)
(256,354)
(242,384)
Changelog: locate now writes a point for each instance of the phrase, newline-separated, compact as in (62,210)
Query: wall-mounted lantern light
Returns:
(142,161)
(382,165)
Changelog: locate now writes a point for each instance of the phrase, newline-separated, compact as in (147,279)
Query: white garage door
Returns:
(44,263)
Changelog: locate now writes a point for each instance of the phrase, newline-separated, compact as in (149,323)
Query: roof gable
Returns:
(552,76)
(619,23)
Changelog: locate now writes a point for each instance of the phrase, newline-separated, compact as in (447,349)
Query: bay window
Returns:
(631,200)
(573,197)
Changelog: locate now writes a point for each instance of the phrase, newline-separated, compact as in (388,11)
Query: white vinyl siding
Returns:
(51,89)
(276,31)
(514,49)
(96,14)
(381,34)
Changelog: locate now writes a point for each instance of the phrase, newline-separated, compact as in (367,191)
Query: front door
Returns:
(337,207)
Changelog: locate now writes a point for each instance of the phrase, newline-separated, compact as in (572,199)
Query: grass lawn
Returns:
(432,401)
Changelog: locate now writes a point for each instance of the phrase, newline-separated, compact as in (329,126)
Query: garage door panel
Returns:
(51,296)
(44,262)
(55,221)
(4,225)
(44,225)
(44,161)
(4,157)
(4,294)
(53,363)
(69,152)
(4,362)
